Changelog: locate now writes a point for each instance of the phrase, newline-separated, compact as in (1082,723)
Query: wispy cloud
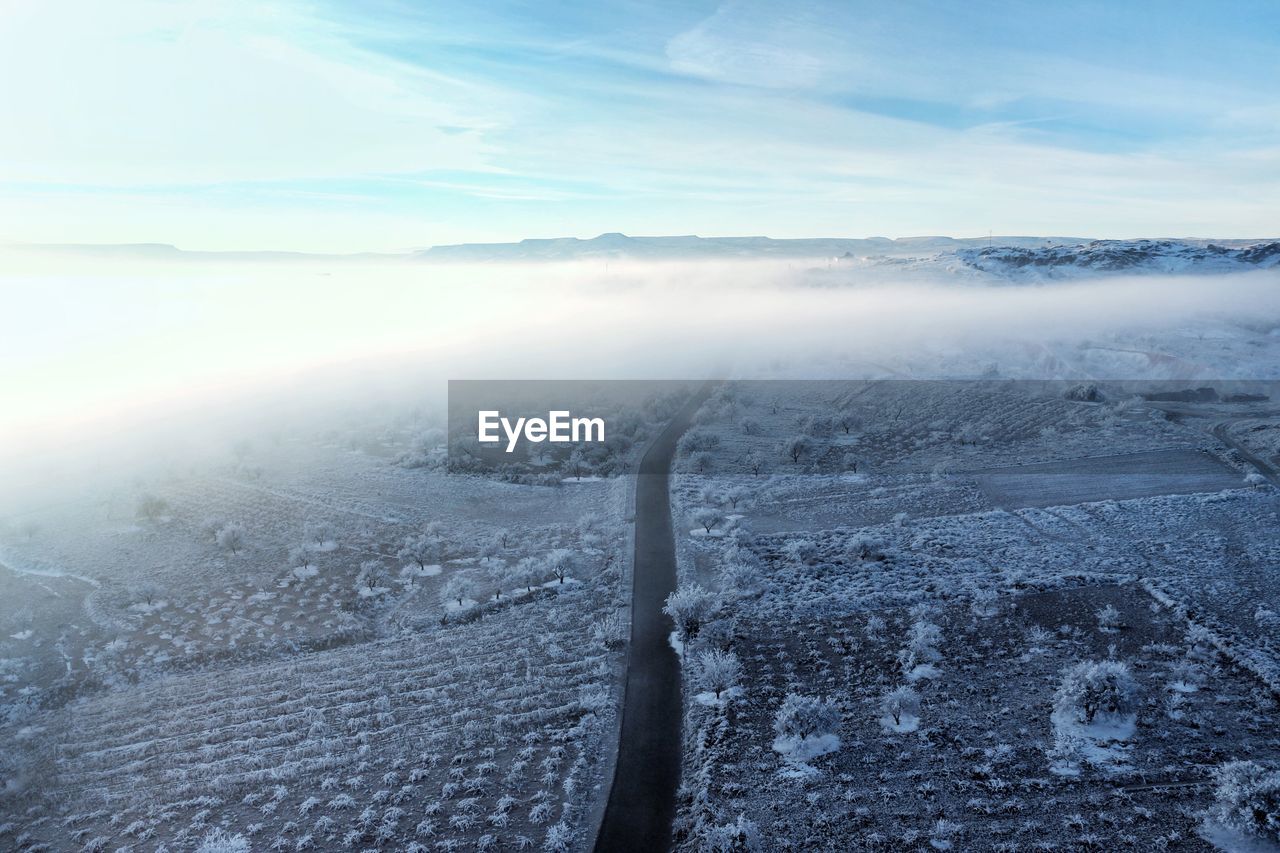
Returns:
(381,124)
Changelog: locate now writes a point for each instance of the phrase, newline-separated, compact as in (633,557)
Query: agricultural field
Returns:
(895,637)
(315,642)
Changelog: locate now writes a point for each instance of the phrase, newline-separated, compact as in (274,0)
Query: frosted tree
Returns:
(560,562)
(372,575)
(498,578)
(420,550)
(801,717)
(528,573)
(689,607)
(319,533)
(718,670)
(146,592)
(899,702)
(301,556)
(1091,688)
(921,647)
(1254,480)
(230,537)
(1247,798)
(707,518)
(459,589)
(755,462)
(151,508)
(735,495)
(796,447)
(210,526)
(849,421)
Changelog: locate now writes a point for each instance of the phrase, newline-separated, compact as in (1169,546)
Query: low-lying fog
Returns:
(95,349)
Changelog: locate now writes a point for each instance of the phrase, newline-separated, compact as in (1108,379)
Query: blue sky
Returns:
(379,125)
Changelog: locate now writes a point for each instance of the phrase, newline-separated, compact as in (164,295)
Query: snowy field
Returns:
(312,645)
(916,606)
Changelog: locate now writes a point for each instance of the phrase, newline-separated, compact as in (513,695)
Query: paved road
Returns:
(642,799)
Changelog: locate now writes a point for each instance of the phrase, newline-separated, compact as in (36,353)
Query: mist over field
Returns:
(95,349)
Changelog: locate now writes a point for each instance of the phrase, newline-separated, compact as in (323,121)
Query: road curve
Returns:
(642,798)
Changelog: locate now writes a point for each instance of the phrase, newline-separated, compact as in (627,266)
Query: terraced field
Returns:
(480,732)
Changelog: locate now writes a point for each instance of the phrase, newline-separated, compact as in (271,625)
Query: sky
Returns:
(387,125)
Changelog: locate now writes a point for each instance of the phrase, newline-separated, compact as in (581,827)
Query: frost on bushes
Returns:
(718,671)
(559,838)
(1094,711)
(899,703)
(918,656)
(1109,619)
(219,841)
(1091,688)
(804,716)
(610,631)
(806,727)
(740,836)
(689,607)
(1247,799)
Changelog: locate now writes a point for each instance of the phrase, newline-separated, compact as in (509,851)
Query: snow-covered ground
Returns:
(992,538)
(305,683)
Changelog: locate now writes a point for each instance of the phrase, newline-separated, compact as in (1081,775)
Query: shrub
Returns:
(1247,798)
(1093,687)
(803,716)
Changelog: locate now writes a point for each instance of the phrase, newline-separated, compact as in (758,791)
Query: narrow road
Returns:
(642,799)
(1220,432)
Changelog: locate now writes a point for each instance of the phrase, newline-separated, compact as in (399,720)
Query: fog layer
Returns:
(104,347)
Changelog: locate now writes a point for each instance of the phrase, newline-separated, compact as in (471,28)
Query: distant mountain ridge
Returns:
(1101,257)
(616,245)
(997,258)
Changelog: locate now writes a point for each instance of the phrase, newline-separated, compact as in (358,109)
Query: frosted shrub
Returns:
(1095,687)
(921,647)
(899,702)
(718,671)
(610,631)
(800,717)
(800,551)
(1109,619)
(1247,798)
(230,537)
(689,607)
(219,841)
(559,838)
(863,547)
(740,836)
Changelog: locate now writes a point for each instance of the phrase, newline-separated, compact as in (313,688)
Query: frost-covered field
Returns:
(1025,621)
(312,646)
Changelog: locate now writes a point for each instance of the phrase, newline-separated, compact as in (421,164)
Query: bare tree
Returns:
(707,518)
(561,562)
(796,446)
